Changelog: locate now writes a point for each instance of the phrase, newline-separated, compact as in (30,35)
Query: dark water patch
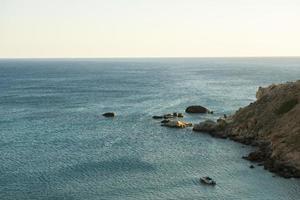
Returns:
(42,115)
(38,183)
(45,100)
(125,164)
(6,122)
(71,89)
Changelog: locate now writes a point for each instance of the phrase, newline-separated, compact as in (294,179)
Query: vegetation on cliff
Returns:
(272,123)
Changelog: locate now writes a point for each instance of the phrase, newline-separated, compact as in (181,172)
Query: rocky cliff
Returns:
(272,123)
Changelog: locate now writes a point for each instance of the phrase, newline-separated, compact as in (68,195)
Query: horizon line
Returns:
(149,57)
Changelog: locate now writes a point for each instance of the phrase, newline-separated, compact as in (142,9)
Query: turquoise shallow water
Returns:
(55,144)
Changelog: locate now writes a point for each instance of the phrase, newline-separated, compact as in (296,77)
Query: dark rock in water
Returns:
(281,168)
(256,156)
(109,114)
(263,156)
(168,116)
(175,114)
(180,115)
(165,121)
(251,166)
(157,117)
(197,109)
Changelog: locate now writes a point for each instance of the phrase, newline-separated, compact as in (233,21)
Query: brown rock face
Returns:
(176,124)
(275,118)
(206,126)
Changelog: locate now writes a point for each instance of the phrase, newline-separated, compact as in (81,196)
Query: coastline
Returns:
(271,123)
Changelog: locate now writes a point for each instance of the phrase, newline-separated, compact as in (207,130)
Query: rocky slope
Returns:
(272,123)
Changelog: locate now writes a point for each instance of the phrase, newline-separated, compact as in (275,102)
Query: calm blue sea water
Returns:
(55,144)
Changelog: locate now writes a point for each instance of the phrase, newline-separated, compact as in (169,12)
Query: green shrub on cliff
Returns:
(286,106)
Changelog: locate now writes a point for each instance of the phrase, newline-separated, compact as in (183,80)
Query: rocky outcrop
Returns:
(176,124)
(180,115)
(109,114)
(213,128)
(272,123)
(168,116)
(165,121)
(206,126)
(197,109)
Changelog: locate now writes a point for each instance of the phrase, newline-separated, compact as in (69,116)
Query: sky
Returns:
(149,28)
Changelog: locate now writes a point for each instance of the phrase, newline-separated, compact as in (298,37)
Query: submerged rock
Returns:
(168,116)
(109,114)
(157,117)
(197,109)
(180,115)
(165,121)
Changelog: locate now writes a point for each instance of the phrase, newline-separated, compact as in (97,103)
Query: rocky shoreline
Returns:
(271,123)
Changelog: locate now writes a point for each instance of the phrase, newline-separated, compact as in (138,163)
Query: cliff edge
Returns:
(272,123)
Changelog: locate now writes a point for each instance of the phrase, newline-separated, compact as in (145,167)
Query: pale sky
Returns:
(149,28)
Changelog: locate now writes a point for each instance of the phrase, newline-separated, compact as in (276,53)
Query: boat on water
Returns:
(207,180)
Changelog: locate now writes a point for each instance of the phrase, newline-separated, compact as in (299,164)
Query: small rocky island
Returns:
(109,114)
(272,123)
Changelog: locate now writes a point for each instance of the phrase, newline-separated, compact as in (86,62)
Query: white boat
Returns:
(207,180)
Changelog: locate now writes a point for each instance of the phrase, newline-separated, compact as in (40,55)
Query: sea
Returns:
(56,145)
